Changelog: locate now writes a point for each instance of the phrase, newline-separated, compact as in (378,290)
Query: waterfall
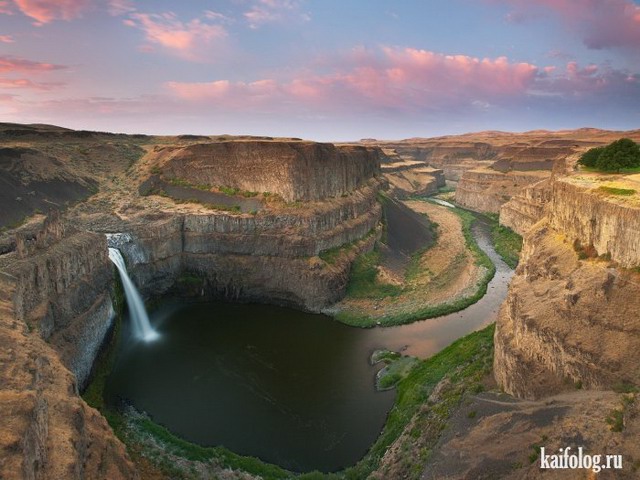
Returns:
(139,318)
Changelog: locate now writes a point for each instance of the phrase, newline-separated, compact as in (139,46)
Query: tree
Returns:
(623,153)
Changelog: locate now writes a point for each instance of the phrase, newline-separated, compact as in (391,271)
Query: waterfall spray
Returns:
(139,318)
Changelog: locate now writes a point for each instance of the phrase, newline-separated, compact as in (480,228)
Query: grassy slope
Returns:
(507,243)
(357,284)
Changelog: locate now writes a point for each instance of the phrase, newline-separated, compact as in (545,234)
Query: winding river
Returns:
(289,387)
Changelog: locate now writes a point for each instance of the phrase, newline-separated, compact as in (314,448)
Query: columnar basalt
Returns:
(269,256)
(526,208)
(486,190)
(571,314)
(62,283)
(48,431)
(297,171)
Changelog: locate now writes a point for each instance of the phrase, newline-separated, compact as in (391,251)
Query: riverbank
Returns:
(445,278)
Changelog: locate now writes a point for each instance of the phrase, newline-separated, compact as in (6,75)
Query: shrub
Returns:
(623,153)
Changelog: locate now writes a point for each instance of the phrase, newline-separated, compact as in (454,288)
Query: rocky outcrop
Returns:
(526,208)
(297,171)
(409,177)
(62,283)
(270,256)
(46,429)
(590,216)
(486,190)
(570,318)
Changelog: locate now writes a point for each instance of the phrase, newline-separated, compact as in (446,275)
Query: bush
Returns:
(623,153)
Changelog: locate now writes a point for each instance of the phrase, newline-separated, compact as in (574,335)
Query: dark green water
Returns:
(289,387)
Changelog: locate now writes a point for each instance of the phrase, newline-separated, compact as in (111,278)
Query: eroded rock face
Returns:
(270,256)
(63,291)
(571,320)
(46,429)
(609,223)
(297,171)
(486,190)
(409,177)
(526,208)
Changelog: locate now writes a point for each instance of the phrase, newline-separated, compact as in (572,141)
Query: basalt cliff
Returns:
(571,314)
(282,221)
(243,219)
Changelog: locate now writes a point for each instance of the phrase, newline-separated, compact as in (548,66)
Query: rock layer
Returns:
(62,290)
(46,430)
(526,208)
(570,318)
(297,171)
(486,190)
(265,257)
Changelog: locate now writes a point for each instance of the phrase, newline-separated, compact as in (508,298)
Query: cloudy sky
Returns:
(321,69)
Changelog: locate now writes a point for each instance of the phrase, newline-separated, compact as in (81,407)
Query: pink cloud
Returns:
(120,7)
(6,39)
(10,64)
(601,23)
(24,83)
(393,78)
(189,40)
(269,11)
(45,11)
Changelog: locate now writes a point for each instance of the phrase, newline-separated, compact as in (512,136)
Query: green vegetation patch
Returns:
(182,182)
(232,191)
(397,367)
(364,282)
(508,244)
(617,191)
(615,157)
(464,364)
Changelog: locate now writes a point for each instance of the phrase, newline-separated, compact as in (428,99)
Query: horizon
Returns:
(541,131)
(322,71)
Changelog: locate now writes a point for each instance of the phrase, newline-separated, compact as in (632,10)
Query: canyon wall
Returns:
(297,171)
(55,309)
(269,256)
(570,318)
(486,190)
(62,284)
(407,177)
(526,208)
(592,217)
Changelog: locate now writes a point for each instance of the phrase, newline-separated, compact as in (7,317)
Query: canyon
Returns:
(251,219)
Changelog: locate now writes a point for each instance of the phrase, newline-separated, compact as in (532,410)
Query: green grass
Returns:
(615,420)
(190,451)
(508,244)
(617,191)
(394,371)
(190,280)
(331,255)
(366,270)
(465,362)
(232,191)
(363,281)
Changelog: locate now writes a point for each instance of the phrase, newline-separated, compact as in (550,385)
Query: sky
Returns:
(321,69)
